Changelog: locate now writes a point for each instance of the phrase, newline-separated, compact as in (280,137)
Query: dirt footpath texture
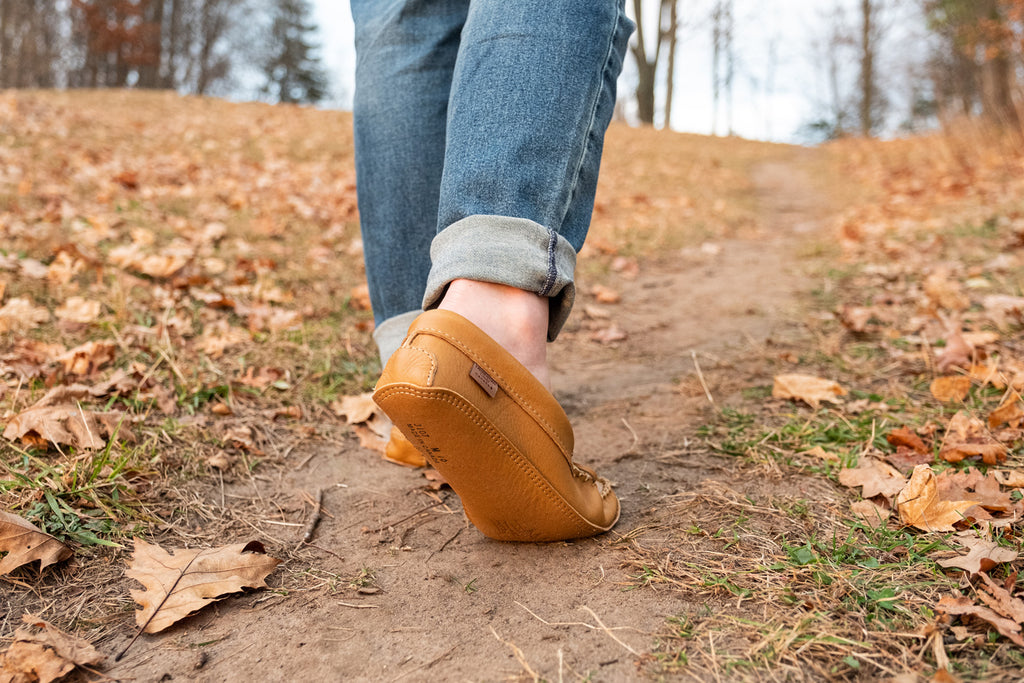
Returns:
(404,589)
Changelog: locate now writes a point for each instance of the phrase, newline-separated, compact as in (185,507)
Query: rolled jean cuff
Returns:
(390,334)
(509,251)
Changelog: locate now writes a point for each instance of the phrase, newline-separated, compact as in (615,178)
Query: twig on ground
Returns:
(599,627)
(404,519)
(636,439)
(314,519)
(520,657)
(703,384)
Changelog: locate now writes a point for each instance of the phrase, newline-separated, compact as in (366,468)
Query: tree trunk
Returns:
(670,76)
(867,68)
(149,71)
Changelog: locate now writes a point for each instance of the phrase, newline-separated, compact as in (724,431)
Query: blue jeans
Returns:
(478,133)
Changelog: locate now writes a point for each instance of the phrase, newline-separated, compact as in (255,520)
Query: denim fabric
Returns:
(480,121)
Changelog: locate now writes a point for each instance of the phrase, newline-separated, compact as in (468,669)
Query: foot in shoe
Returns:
(495,433)
(515,318)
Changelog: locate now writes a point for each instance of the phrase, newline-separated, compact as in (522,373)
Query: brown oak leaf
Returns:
(875,477)
(24,542)
(807,388)
(21,314)
(78,310)
(88,358)
(904,436)
(1010,412)
(982,555)
(964,606)
(1001,600)
(41,652)
(873,514)
(950,388)
(184,582)
(919,504)
(957,353)
(605,295)
(966,437)
(64,424)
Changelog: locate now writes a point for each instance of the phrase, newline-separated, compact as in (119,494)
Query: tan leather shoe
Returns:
(401,452)
(494,432)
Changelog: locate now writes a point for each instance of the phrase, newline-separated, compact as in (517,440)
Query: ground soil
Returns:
(400,587)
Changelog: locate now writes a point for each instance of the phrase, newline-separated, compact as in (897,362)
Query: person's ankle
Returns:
(515,318)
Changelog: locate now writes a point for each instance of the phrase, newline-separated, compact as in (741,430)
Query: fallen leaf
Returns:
(982,555)
(63,268)
(905,437)
(64,424)
(906,459)
(609,335)
(220,336)
(184,581)
(262,378)
(983,489)
(819,452)
(967,437)
(1000,308)
(220,460)
(596,312)
(355,409)
(980,339)
(944,291)
(874,477)
(435,480)
(983,374)
(359,298)
(919,504)
(42,652)
(1011,478)
(873,514)
(24,542)
(999,599)
(78,310)
(964,606)
(957,353)
(163,265)
(20,314)
(262,317)
(855,318)
(88,358)
(1010,412)
(629,268)
(950,388)
(807,388)
(605,295)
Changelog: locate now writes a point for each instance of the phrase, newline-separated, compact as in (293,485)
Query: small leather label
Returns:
(485,381)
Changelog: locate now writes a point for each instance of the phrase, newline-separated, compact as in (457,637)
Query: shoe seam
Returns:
(526,467)
(521,400)
(433,362)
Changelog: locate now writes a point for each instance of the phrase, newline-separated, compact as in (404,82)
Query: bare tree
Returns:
(29,43)
(871,104)
(723,58)
(647,62)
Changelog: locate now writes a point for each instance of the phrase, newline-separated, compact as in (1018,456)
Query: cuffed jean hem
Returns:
(390,334)
(509,251)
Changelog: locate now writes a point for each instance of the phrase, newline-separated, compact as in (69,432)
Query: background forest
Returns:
(878,67)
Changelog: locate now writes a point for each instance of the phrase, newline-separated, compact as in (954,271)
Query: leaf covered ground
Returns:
(802,368)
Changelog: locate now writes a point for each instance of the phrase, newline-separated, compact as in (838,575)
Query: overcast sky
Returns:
(778,85)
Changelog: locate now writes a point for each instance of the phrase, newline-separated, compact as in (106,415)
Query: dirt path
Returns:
(440,601)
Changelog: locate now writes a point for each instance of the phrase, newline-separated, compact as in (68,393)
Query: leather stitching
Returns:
(433,363)
(504,384)
(526,468)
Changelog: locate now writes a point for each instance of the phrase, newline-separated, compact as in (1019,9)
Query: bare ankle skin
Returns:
(515,318)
